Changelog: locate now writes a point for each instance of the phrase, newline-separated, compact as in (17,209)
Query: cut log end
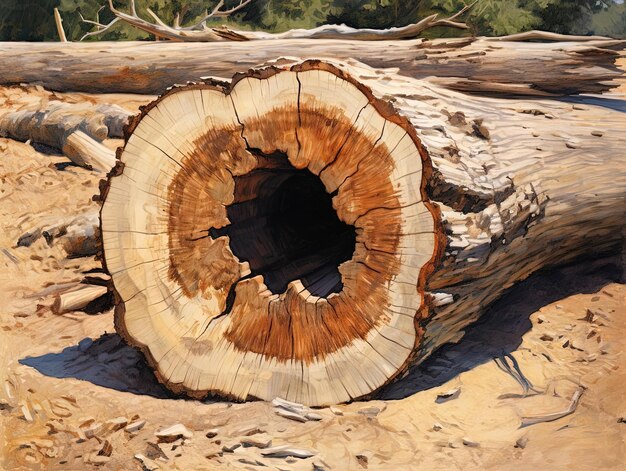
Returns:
(273,238)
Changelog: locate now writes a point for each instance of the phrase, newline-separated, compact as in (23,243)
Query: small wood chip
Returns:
(249,430)
(448,395)
(135,426)
(291,415)
(212,433)
(470,443)
(148,464)
(117,423)
(256,441)
(26,413)
(94,430)
(106,449)
(230,448)
(290,406)
(597,133)
(284,451)
(547,337)
(173,432)
(336,410)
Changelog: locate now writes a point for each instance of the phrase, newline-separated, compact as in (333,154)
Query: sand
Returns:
(68,382)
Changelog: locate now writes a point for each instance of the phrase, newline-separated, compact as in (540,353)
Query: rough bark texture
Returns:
(479,65)
(519,186)
(76,130)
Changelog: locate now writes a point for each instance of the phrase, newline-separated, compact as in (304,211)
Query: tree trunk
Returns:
(480,65)
(289,235)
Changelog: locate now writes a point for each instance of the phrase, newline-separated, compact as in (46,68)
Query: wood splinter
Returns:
(77,299)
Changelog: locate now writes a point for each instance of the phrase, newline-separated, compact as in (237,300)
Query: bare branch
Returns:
(537,419)
(156,18)
(199,32)
(100,28)
(59,22)
(217,13)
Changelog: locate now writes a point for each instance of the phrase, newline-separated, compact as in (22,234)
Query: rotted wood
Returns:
(476,65)
(436,217)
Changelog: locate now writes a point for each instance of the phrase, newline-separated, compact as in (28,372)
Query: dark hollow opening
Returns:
(283,224)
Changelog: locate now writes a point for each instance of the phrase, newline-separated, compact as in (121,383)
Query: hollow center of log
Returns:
(284,225)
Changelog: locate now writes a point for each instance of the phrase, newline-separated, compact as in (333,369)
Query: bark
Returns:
(505,188)
(74,129)
(479,65)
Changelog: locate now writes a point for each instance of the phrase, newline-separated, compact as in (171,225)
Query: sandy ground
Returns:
(68,382)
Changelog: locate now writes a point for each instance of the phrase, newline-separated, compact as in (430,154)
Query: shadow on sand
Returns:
(110,363)
(106,361)
(500,330)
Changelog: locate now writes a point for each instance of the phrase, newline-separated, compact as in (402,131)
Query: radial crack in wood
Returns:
(236,230)
(520,185)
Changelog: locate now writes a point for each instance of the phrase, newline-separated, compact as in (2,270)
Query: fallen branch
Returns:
(78,299)
(79,236)
(537,419)
(199,32)
(73,129)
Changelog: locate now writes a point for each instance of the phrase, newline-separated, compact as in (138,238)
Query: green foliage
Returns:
(32,20)
(611,21)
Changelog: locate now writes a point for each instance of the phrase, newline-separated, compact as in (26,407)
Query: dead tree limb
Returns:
(78,235)
(538,419)
(304,240)
(199,32)
(59,24)
(475,65)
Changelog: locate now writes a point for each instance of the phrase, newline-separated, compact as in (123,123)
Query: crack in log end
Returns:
(283,224)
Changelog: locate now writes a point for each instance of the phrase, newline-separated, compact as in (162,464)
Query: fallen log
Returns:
(478,65)
(74,129)
(295,237)
(78,235)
